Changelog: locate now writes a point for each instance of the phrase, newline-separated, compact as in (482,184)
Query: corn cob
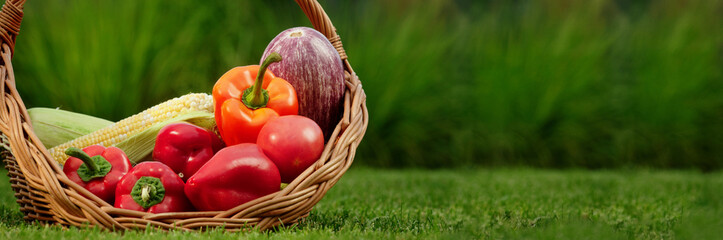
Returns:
(137,123)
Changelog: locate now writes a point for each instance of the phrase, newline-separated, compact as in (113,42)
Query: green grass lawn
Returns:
(482,203)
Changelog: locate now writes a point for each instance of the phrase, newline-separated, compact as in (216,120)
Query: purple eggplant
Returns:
(313,66)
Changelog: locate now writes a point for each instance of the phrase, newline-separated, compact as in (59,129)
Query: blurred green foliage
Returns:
(549,83)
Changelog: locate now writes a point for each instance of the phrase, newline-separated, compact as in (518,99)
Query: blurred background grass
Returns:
(548,83)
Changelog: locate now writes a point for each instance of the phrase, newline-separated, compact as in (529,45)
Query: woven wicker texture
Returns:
(44,193)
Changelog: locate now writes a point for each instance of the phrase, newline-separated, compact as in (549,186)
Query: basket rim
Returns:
(44,193)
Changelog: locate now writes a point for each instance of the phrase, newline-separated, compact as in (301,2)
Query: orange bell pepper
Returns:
(245,100)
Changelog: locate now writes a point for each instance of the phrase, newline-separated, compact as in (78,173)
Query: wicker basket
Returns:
(45,194)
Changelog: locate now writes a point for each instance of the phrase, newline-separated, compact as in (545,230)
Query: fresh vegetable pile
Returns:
(263,125)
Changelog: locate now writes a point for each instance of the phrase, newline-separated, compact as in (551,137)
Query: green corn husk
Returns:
(54,126)
(139,147)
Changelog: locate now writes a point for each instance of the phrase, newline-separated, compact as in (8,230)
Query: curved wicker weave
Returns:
(45,193)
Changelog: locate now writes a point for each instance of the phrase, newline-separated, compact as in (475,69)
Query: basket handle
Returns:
(322,23)
(10,17)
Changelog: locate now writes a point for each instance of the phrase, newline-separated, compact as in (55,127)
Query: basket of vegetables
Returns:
(259,150)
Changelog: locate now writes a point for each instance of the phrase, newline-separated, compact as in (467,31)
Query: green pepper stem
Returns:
(256,97)
(76,152)
(145,193)
(148,191)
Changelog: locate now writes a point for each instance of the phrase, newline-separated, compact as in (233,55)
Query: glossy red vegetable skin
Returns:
(103,187)
(185,147)
(235,175)
(293,143)
(174,199)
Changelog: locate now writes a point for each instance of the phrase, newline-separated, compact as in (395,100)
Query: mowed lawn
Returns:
(474,203)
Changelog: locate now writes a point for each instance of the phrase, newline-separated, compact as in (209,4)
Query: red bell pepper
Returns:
(243,105)
(152,187)
(97,168)
(185,147)
(235,175)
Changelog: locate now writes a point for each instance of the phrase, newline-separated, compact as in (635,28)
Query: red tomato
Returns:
(293,143)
